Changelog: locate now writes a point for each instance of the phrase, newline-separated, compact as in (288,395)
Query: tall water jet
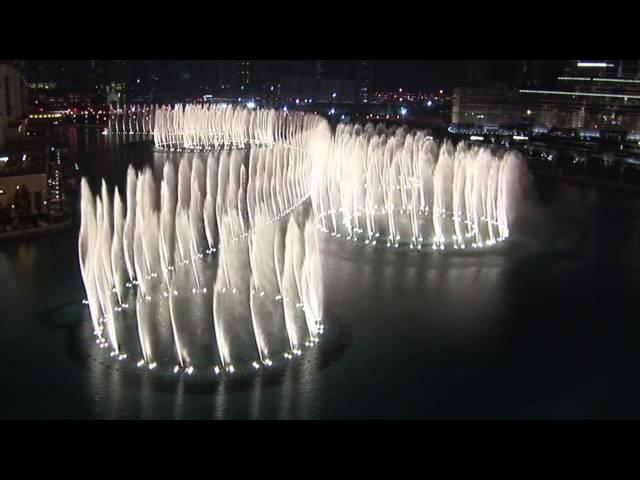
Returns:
(218,252)
(203,246)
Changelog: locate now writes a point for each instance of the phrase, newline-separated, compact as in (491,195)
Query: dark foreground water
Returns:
(546,327)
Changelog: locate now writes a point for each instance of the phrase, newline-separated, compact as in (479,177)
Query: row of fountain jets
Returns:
(238,226)
(410,189)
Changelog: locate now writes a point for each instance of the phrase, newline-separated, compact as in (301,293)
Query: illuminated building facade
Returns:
(590,95)
(26,187)
(24,194)
(364,79)
(243,70)
(13,102)
(487,107)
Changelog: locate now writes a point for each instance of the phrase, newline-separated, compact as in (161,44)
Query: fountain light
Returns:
(359,180)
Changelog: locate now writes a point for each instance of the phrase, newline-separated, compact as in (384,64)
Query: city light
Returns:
(580,94)
(594,64)
(598,79)
(586,79)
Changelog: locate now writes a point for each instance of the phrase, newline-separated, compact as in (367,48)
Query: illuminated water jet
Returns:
(222,226)
(217,254)
(413,190)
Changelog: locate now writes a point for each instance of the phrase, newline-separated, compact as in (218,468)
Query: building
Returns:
(243,74)
(590,95)
(30,179)
(587,96)
(478,72)
(24,186)
(225,74)
(486,107)
(13,103)
(319,69)
(364,80)
(32,197)
(528,73)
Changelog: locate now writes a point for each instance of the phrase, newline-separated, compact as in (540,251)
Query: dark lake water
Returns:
(546,327)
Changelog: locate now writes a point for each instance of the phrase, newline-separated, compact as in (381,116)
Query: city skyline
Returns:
(418,75)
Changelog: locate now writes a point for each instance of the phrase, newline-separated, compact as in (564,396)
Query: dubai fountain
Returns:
(214,263)
(393,187)
(219,265)
(131,119)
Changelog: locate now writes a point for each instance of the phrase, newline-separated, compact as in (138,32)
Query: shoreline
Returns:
(36,232)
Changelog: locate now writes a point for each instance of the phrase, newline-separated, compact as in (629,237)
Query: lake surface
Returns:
(544,327)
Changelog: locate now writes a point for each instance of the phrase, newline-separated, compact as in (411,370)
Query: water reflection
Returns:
(427,335)
(287,391)
(220,400)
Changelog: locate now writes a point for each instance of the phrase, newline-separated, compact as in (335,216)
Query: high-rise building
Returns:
(348,69)
(243,74)
(319,69)
(478,73)
(488,107)
(209,75)
(364,79)
(527,73)
(119,78)
(226,75)
(13,101)
(591,95)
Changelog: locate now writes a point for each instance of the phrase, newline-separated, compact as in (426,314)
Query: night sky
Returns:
(419,74)
(412,75)
(436,74)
